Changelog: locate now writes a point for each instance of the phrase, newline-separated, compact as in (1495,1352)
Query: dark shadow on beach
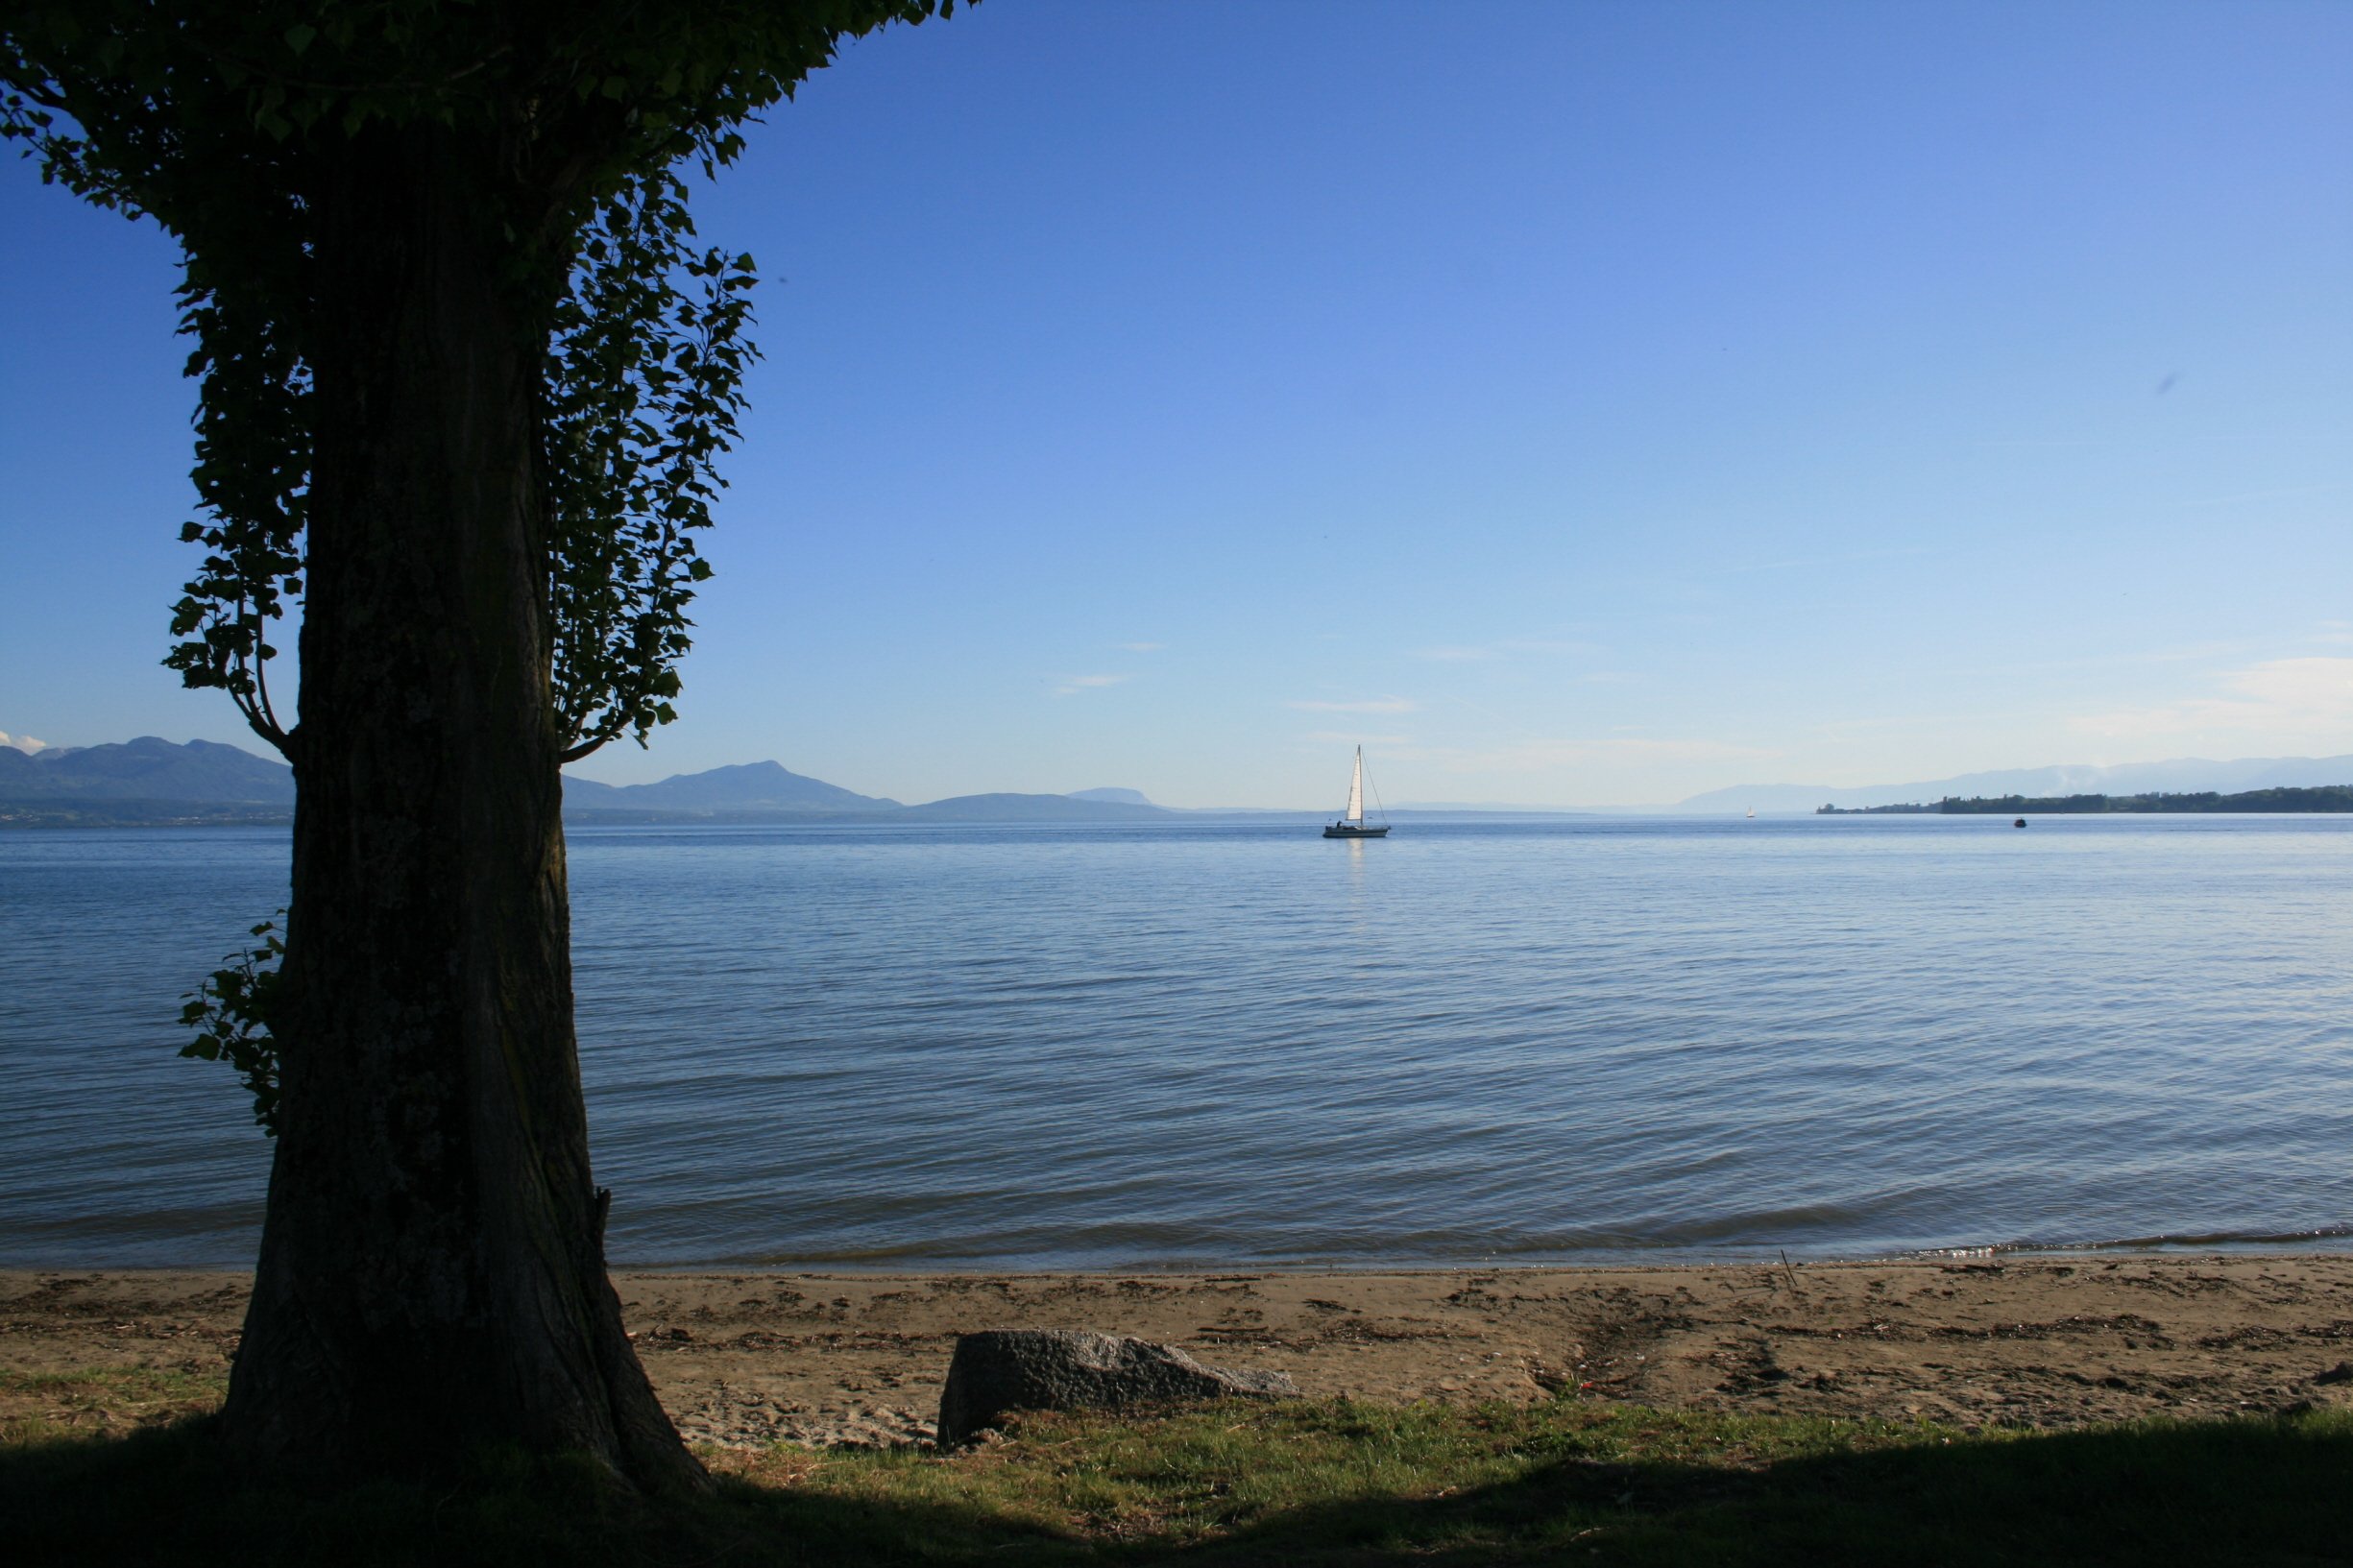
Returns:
(2251,1492)
(2264,1491)
(162,1496)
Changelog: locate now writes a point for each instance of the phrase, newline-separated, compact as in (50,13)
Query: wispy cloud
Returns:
(2286,701)
(1143,648)
(1073,684)
(1373,705)
(22,742)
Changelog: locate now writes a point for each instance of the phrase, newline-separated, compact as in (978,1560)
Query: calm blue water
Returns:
(1226,1045)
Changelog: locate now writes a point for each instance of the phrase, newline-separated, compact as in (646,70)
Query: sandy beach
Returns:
(747,1359)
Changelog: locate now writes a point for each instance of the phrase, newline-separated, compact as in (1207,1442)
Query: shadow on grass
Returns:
(2247,1491)
(2251,1492)
(2254,1491)
(162,1496)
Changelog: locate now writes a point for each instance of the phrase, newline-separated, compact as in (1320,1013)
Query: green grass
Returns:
(1335,1483)
(40,1407)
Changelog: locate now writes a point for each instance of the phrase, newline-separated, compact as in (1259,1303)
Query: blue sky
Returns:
(1574,403)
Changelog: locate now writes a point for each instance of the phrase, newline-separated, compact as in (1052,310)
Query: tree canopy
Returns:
(214,119)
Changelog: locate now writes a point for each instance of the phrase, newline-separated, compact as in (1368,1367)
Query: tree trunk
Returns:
(432,1272)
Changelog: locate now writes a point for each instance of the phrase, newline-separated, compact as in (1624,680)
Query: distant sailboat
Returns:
(1752,813)
(1352,824)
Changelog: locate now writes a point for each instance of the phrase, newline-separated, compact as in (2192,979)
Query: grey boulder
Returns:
(1066,1369)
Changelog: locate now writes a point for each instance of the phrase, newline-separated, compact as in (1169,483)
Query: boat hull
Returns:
(1344,830)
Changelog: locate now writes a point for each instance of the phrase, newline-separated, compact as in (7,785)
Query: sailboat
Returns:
(1353,825)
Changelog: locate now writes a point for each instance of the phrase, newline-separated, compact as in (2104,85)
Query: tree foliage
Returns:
(641,385)
(644,382)
(212,125)
(231,1013)
(214,119)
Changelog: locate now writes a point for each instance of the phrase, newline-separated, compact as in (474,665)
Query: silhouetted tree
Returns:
(464,377)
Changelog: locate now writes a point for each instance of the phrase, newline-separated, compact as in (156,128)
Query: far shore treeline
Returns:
(2324,798)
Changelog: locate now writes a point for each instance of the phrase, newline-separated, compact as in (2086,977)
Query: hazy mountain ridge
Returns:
(741,787)
(149,770)
(1110,796)
(771,792)
(151,780)
(154,781)
(1010,807)
(2176,776)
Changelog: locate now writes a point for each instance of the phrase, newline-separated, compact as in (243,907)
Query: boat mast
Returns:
(1356,789)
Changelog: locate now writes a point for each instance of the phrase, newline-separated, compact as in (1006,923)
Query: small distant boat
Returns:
(1352,824)
(1752,813)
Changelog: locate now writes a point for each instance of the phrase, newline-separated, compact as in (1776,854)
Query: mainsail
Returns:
(1353,825)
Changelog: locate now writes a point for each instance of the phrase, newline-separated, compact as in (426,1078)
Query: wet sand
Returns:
(748,1359)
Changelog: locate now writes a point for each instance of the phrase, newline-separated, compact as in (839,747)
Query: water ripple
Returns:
(1219,1044)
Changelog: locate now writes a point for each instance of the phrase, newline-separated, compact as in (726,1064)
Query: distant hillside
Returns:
(768,791)
(1111,797)
(153,782)
(2185,775)
(1028,809)
(146,779)
(742,787)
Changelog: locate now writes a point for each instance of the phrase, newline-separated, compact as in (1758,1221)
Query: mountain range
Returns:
(745,786)
(771,792)
(143,780)
(153,780)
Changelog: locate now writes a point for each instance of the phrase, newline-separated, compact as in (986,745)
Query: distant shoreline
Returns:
(179,815)
(2319,801)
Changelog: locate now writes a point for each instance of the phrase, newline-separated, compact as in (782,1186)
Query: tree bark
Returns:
(433,1276)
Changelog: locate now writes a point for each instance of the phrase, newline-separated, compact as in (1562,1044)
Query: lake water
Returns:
(1237,1044)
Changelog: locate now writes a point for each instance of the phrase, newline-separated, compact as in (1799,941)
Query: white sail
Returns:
(1356,788)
